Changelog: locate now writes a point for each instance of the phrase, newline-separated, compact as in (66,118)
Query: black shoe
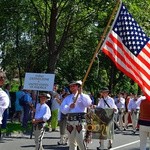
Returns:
(110,146)
(61,143)
(101,148)
(125,129)
(133,132)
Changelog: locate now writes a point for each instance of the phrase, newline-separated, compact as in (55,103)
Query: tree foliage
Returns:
(60,36)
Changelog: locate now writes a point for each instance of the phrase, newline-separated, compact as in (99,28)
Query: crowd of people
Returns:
(68,108)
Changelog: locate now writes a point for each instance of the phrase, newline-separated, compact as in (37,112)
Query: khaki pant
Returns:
(134,118)
(120,118)
(76,134)
(110,136)
(38,133)
(126,119)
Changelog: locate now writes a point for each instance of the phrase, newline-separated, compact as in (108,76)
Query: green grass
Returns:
(15,128)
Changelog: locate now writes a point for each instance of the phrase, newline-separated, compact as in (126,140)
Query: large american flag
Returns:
(129,48)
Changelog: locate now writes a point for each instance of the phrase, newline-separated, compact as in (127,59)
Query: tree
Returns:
(60,36)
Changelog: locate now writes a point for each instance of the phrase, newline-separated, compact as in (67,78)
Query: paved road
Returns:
(123,141)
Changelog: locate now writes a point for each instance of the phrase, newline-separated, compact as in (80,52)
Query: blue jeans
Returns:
(4,121)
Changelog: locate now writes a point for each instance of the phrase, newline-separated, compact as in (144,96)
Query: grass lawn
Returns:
(15,128)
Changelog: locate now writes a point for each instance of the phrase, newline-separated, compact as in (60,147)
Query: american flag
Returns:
(129,48)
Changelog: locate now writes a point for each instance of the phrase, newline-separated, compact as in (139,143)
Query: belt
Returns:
(39,125)
(76,116)
(137,110)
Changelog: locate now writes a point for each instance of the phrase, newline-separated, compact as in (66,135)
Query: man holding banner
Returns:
(106,102)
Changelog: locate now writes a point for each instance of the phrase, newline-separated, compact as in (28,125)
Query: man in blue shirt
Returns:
(26,108)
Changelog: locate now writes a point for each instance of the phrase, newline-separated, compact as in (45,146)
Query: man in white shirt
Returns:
(75,107)
(121,109)
(7,112)
(134,109)
(4,99)
(107,102)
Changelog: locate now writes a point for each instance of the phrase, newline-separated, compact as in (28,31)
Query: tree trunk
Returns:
(51,39)
(52,61)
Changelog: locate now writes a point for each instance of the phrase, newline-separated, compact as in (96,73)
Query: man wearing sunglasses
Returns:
(4,99)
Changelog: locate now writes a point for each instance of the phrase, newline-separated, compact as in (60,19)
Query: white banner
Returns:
(39,81)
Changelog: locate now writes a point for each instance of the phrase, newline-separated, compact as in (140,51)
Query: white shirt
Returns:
(120,103)
(55,105)
(42,112)
(110,102)
(140,99)
(4,103)
(133,105)
(83,101)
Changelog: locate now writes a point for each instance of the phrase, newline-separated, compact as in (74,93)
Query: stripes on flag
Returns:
(134,62)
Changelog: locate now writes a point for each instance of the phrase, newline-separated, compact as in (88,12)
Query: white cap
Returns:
(76,82)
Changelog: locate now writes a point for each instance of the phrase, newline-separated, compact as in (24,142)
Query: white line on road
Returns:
(125,145)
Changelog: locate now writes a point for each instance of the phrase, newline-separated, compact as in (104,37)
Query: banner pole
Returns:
(98,47)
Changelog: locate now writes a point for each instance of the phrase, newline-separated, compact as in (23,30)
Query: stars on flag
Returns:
(130,32)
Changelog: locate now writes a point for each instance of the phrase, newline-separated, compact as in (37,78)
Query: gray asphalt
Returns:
(123,141)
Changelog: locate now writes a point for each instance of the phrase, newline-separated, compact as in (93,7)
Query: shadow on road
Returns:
(50,147)
(46,137)
(55,147)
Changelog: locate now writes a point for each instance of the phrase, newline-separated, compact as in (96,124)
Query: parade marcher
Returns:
(27,108)
(134,109)
(75,108)
(63,120)
(107,102)
(6,113)
(126,115)
(18,108)
(55,104)
(42,114)
(121,109)
(4,99)
(144,121)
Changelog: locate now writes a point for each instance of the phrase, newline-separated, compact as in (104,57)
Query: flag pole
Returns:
(98,46)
